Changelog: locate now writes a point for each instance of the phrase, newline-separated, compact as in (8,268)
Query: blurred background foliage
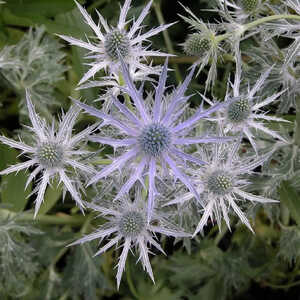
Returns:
(34,262)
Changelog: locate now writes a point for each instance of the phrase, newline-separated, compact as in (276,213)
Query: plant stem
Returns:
(282,286)
(59,219)
(245,27)
(166,36)
(270,18)
(126,96)
(189,59)
(129,281)
(102,161)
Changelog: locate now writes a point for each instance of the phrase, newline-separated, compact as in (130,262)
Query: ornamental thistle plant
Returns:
(193,173)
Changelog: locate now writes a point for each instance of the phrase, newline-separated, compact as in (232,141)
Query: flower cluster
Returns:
(205,154)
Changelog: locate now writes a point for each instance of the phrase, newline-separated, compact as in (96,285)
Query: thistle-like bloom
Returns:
(244,115)
(222,183)
(203,44)
(127,220)
(240,10)
(115,41)
(153,135)
(52,153)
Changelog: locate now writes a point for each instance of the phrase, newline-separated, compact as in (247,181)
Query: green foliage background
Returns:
(35,264)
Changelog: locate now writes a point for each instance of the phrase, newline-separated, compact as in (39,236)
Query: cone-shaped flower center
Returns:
(238,111)
(116,42)
(196,45)
(154,139)
(219,183)
(131,224)
(50,154)
(249,5)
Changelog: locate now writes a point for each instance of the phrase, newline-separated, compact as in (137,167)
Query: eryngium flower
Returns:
(240,10)
(115,41)
(203,44)
(222,183)
(153,136)
(127,220)
(52,153)
(244,113)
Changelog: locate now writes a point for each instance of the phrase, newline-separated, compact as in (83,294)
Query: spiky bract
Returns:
(52,153)
(222,183)
(112,42)
(126,220)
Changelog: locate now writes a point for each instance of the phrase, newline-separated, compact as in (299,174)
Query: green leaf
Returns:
(52,195)
(13,191)
(31,8)
(213,290)
(290,198)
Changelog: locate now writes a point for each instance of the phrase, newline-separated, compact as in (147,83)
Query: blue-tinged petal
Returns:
(135,176)
(116,164)
(133,93)
(106,118)
(151,32)
(36,122)
(203,140)
(67,123)
(101,233)
(238,211)
(252,197)
(113,142)
(187,157)
(123,14)
(152,189)
(41,192)
(208,210)
(182,177)
(91,72)
(159,93)
(18,167)
(18,145)
(140,19)
(145,258)
(199,114)
(108,245)
(79,43)
(127,113)
(122,260)
(90,22)
(69,186)
(177,97)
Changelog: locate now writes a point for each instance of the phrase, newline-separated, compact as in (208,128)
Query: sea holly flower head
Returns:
(244,113)
(203,43)
(53,153)
(239,10)
(114,41)
(153,134)
(127,221)
(222,184)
